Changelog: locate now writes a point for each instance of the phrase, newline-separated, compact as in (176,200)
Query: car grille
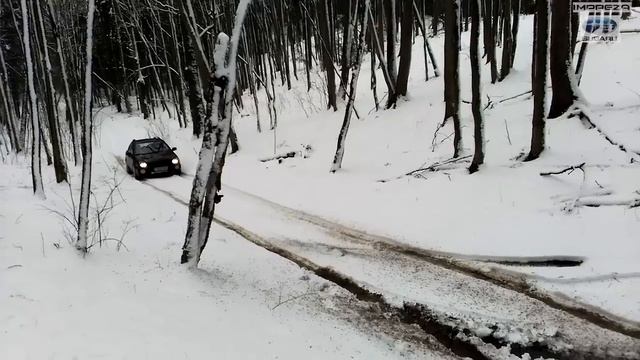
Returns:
(157,167)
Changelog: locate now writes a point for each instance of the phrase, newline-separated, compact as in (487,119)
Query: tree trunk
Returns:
(540,79)
(493,22)
(342,137)
(507,40)
(405,47)
(435,19)
(564,92)
(451,74)
(390,15)
(427,45)
(581,59)
(87,125)
(514,29)
(36,165)
(194,90)
(327,54)
(476,96)
(391,86)
(347,44)
(9,105)
(71,109)
(59,163)
(201,217)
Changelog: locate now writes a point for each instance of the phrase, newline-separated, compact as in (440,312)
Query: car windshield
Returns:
(150,147)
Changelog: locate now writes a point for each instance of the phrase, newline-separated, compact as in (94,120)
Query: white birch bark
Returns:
(205,185)
(85,190)
(342,137)
(193,242)
(224,126)
(36,165)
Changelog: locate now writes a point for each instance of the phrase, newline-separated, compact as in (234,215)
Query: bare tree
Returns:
(392,69)
(562,74)
(451,72)
(539,69)
(476,96)
(405,47)
(507,40)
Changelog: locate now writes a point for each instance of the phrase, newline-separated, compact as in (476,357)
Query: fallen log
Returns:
(279,157)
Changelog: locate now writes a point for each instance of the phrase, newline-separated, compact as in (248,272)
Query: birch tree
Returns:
(342,137)
(36,165)
(207,182)
(87,127)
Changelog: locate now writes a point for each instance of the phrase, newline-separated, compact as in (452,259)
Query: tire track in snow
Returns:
(446,335)
(440,325)
(503,278)
(463,263)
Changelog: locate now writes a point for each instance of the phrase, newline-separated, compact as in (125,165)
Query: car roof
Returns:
(147,140)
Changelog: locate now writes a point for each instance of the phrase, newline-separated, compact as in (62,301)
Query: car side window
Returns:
(130,149)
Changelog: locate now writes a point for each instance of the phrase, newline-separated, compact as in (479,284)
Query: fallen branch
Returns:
(570,169)
(632,203)
(432,167)
(289,154)
(514,96)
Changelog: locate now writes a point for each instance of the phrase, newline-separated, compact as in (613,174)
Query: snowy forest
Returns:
(412,178)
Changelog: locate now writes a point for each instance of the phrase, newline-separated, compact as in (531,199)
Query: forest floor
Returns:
(514,263)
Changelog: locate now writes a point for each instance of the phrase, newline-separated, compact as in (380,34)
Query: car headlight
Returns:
(175,161)
(142,164)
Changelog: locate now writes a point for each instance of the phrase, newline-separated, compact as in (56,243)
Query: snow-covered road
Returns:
(497,313)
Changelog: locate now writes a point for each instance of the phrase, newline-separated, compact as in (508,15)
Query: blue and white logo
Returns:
(600,24)
(601,28)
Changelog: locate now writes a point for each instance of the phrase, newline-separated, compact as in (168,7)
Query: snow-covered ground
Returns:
(248,303)
(138,303)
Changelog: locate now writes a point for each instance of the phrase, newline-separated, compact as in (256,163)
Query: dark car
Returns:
(148,157)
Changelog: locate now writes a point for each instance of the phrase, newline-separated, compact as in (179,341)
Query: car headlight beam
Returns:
(143,165)
(175,161)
